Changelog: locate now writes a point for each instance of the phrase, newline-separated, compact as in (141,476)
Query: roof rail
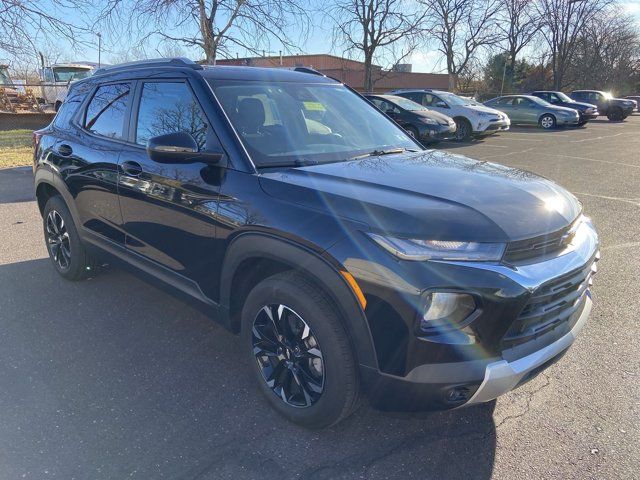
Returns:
(152,62)
(310,70)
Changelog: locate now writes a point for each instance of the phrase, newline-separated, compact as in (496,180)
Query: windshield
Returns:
(65,74)
(407,104)
(290,123)
(564,97)
(4,77)
(452,99)
(538,100)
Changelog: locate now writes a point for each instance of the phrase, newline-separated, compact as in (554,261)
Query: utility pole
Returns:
(99,49)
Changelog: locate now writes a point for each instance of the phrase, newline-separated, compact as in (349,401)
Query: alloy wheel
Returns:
(288,355)
(58,240)
(462,130)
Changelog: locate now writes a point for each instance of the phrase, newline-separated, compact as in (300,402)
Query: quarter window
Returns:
(107,109)
(169,108)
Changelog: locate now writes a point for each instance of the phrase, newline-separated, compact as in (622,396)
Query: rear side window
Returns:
(107,110)
(70,106)
(169,108)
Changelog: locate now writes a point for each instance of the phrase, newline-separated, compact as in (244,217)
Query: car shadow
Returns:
(112,378)
(17,185)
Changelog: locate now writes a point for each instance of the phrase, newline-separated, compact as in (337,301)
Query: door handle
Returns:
(65,150)
(131,168)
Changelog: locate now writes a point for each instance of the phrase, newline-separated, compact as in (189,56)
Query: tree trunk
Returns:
(368,72)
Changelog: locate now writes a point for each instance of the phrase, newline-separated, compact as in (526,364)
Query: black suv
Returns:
(586,111)
(348,257)
(616,109)
(427,126)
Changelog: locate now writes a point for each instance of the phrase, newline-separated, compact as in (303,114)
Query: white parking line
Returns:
(602,137)
(632,201)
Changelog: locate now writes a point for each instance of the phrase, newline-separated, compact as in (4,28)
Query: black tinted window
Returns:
(415,96)
(107,109)
(169,108)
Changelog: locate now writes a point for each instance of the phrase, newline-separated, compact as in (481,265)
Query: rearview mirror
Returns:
(178,147)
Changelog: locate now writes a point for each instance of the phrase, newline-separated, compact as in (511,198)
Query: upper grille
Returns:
(551,306)
(535,247)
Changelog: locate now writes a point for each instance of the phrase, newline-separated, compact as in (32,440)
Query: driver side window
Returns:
(167,107)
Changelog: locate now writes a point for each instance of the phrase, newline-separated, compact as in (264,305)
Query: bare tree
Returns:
(22,23)
(562,22)
(215,26)
(379,29)
(607,53)
(519,23)
(461,28)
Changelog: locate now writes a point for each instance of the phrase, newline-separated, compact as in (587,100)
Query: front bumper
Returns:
(586,117)
(568,120)
(436,133)
(502,376)
(419,372)
(492,126)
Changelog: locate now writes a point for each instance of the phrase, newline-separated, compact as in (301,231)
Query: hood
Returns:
(563,109)
(437,116)
(484,108)
(579,105)
(430,194)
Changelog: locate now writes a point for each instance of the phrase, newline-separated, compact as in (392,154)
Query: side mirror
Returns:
(441,105)
(179,147)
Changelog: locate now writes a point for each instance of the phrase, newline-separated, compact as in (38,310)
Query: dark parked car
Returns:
(426,125)
(615,109)
(530,110)
(349,258)
(585,110)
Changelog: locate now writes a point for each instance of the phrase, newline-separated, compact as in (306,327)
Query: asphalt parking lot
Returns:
(113,379)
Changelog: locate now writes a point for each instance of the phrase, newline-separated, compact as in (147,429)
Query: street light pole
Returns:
(99,49)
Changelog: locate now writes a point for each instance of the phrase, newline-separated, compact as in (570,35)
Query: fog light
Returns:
(446,310)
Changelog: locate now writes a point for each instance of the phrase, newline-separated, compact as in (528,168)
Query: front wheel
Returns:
(547,121)
(615,115)
(299,350)
(463,130)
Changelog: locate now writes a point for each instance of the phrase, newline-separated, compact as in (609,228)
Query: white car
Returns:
(472,119)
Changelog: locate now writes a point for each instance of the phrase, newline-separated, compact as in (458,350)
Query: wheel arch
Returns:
(251,257)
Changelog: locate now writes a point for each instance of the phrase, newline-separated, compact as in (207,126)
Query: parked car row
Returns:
(434,115)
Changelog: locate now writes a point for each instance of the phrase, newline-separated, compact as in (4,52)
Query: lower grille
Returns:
(551,306)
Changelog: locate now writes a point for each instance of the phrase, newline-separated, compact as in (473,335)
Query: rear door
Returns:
(169,209)
(87,158)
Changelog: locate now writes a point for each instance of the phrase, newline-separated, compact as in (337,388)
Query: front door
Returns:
(169,209)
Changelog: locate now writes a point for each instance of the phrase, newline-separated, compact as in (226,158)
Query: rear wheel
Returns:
(463,130)
(66,250)
(299,350)
(547,121)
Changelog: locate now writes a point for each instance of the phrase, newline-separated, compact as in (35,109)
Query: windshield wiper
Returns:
(298,162)
(380,152)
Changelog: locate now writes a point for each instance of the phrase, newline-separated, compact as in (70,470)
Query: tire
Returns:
(547,121)
(615,115)
(413,131)
(66,251)
(333,394)
(57,105)
(582,124)
(463,130)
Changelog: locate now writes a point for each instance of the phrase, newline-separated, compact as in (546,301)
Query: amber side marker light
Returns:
(355,287)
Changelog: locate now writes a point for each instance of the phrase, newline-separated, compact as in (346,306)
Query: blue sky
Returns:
(317,40)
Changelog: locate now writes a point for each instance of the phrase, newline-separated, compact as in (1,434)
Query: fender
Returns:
(49,177)
(322,268)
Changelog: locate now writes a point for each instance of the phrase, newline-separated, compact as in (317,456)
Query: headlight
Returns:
(445,310)
(420,250)
(485,114)
(428,121)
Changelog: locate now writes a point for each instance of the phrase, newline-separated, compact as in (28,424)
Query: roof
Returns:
(262,74)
